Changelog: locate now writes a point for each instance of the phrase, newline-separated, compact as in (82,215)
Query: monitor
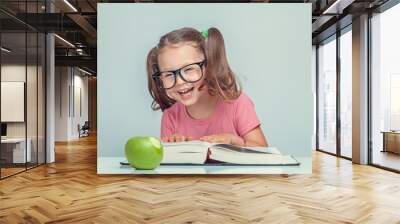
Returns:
(3,129)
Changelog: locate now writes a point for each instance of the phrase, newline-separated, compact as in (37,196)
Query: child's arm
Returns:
(255,137)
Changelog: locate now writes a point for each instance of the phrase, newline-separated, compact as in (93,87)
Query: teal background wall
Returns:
(268,47)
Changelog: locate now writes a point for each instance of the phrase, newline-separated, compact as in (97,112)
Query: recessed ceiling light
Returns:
(70,5)
(5,50)
(337,7)
(84,71)
(64,40)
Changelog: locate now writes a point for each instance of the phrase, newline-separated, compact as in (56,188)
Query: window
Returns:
(385,88)
(346,93)
(394,102)
(327,96)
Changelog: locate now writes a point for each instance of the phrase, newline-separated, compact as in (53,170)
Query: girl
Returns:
(190,80)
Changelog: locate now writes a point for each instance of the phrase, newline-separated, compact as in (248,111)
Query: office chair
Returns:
(84,130)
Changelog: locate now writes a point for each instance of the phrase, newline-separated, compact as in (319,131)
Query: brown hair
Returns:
(220,78)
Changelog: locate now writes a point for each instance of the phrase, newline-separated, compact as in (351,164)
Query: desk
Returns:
(391,141)
(18,149)
(111,165)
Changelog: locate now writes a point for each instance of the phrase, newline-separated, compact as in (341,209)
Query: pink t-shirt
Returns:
(237,117)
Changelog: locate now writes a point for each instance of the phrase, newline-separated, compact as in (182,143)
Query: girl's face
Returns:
(178,56)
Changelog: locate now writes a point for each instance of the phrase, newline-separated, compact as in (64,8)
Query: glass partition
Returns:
(14,153)
(22,63)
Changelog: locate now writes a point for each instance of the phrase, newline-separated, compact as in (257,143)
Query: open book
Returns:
(199,152)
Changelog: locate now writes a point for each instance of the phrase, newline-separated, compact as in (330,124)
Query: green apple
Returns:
(143,152)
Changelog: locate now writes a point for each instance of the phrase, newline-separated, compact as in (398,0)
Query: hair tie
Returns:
(204,34)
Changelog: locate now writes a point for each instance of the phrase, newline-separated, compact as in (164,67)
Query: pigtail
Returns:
(160,98)
(220,78)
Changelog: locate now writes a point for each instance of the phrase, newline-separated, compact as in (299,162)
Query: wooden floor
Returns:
(10,171)
(70,191)
(387,159)
(7,171)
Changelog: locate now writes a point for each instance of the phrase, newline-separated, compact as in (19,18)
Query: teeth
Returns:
(184,91)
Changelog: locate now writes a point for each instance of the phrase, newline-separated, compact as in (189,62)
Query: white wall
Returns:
(79,117)
(70,83)
(10,73)
(15,72)
(62,81)
(271,60)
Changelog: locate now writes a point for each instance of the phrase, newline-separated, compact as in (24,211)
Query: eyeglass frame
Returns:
(156,75)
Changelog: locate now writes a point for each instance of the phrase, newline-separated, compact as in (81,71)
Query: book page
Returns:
(247,149)
(235,157)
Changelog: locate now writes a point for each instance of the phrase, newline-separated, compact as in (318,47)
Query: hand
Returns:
(176,138)
(225,138)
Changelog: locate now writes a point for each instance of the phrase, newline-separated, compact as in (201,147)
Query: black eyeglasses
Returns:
(189,73)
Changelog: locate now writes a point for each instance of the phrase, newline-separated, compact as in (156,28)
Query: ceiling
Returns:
(76,22)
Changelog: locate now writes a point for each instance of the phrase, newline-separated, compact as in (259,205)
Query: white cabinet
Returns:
(18,149)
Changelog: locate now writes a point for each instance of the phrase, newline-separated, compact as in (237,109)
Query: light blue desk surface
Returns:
(111,165)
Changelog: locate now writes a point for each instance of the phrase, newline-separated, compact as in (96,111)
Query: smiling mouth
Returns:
(185,91)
